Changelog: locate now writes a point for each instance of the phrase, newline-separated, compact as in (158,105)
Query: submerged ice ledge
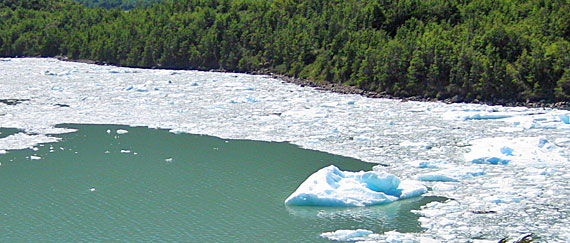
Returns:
(332,187)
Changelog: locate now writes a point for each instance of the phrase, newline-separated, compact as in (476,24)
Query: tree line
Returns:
(486,50)
(123,4)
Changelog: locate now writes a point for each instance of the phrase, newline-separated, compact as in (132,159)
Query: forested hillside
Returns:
(482,49)
(123,4)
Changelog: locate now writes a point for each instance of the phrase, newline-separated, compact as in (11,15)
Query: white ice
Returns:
(526,194)
(347,235)
(522,150)
(24,141)
(122,131)
(330,186)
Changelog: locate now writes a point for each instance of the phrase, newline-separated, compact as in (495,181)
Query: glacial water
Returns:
(154,185)
(507,169)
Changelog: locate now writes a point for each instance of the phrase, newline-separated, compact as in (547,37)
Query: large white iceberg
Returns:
(332,187)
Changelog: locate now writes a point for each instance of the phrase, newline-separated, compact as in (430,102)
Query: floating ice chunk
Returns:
(478,112)
(64,73)
(487,116)
(34,157)
(139,88)
(332,187)
(394,236)
(565,118)
(121,70)
(2,151)
(451,174)
(503,150)
(422,145)
(411,189)
(24,141)
(562,141)
(122,131)
(125,151)
(346,235)
(443,187)
(430,164)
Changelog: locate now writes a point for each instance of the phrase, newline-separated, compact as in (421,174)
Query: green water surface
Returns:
(153,185)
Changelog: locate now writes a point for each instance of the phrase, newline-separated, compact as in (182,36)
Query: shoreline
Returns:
(347,89)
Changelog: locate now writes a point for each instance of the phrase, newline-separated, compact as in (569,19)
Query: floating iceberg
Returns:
(332,187)
(346,235)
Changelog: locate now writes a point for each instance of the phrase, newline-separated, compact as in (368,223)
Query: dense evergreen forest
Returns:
(483,50)
(123,4)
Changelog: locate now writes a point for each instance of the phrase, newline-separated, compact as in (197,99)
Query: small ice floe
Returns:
(430,164)
(419,145)
(35,157)
(24,141)
(525,150)
(168,160)
(108,131)
(125,151)
(122,131)
(397,237)
(92,189)
(347,235)
(332,187)
(451,174)
(562,141)
(443,187)
(139,88)
(60,74)
(565,118)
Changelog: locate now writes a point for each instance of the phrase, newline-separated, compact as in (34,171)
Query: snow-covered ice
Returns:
(332,187)
(525,191)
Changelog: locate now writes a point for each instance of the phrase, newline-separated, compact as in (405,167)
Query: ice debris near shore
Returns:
(525,195)
(330,186)
(524,150)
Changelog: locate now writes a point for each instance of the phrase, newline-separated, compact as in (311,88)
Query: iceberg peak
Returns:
(331,186)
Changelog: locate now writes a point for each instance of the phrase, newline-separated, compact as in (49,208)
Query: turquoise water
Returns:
(5,132)
(153,185)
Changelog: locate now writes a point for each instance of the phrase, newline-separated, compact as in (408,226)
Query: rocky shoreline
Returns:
(346,89)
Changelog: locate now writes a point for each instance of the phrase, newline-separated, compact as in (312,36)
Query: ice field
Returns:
(507,170)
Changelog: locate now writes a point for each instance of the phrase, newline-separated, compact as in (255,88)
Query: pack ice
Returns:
(507,169)
(332,187)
